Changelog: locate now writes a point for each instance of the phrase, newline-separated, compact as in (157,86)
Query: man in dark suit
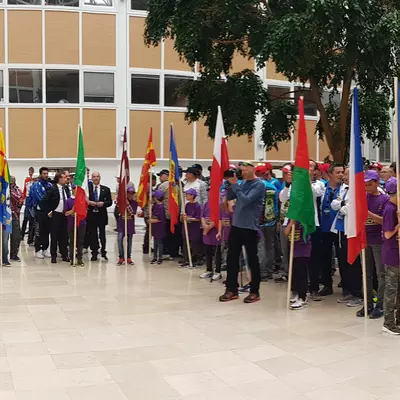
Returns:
(99,200)
(53,204)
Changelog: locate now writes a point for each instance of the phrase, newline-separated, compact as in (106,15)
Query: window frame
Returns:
(160,103)
(23,68)
(82,93)
(64,68)
(174,75)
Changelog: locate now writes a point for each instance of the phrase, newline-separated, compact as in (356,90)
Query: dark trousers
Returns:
(58,234)
(351,274)
(248,238)
(15,238)
(158,249)
(211,252)
(31,229)
(327,240)
(146,235)
(173,239)
(300,276)
(80,239)
(42,231)
(97,231)
(194,250)
(314,270)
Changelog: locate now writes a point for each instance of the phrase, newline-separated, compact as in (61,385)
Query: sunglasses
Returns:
(245,164)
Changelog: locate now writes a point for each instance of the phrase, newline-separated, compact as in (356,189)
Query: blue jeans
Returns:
(121,236)
(6,235)
(158,249)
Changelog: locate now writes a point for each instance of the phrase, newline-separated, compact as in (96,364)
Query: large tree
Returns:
(324,44)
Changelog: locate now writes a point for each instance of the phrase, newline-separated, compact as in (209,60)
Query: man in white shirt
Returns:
(192,181)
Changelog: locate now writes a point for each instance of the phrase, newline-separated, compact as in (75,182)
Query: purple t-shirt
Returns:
(69,204)
(226,218)
(158,229)
(376,204)
(301,248)
(390,247)
(193,210)
(211,237)
(130,220)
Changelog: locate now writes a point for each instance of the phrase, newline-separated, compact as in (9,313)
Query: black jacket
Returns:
(51,199)
(105,197)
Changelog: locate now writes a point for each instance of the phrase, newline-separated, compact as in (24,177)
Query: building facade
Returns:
(70,62)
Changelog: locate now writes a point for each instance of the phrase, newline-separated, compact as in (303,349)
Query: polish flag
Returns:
(219,165)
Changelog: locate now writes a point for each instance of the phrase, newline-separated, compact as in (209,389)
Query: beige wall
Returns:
(171,58)
(62,37)
(272,74)
(2,57)
(183,134)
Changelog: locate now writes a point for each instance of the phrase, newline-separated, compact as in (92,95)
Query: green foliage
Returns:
(326,43)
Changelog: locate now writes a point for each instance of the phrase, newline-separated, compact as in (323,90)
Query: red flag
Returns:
(149,161)
(219,165)
(124,177)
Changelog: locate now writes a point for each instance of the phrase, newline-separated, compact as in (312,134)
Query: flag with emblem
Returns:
(173,180)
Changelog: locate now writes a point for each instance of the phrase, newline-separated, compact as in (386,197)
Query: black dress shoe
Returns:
(54,260)
(66,259)
(105,257)
(94,258)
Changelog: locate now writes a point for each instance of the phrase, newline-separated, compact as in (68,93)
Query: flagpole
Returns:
(75,234)
(1,245)
(150,206)
(189,252)
(396,143)
(364,273)
(289,286)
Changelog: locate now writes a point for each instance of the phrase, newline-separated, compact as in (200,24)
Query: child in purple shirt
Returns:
(192,216)
(80,231)
(211,245)
(301,258)
(131,209)
(158,226)
(390,258)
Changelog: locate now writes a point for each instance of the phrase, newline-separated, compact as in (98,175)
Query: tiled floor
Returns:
(104,332)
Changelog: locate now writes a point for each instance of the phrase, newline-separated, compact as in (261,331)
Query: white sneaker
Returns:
(216,277)
(206,275)
(294,297)
(298,305)
(46,253)
(39,254)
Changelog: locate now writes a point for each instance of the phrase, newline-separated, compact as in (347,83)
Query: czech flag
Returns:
(219,165)
(358,208)
(173,180)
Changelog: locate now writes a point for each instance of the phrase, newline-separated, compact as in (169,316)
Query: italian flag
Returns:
(81,181)
(301,206)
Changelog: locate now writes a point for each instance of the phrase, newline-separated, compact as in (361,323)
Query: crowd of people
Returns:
(253,233)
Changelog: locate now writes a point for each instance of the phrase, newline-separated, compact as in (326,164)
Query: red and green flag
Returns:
(81,181)
(301,206)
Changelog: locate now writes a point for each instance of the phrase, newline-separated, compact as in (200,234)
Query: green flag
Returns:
(81,180)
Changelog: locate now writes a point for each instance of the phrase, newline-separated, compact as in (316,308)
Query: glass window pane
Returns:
(384,151)
(172,83)
(280,93)
(1,87)
(25,85)
(328,97)
(99,87)
(145,89)
(25,2)
(62,86)
(140,5)
(64,3)
(104,3)
(310,107)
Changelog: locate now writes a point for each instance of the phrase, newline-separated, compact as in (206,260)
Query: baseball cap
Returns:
(130,189)
(391,186)
(324,167)
(35,175)
(192,192)
(198,166)
(163,172)
(287,168)
(268,166)
(261,169)
(192,170)
(247,163)
(158,194)
(375,165)
(371,175)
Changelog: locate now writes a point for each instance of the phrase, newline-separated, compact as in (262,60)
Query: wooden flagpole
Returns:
(126,232)
(189,252)
(396,144)
(364,273)
(75,235)
(150,203)
(289,286)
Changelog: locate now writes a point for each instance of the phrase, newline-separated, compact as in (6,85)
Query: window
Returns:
(99,87)
(1,87)
(327,97)
(25,85)
(145,89)
(310,107)
(385,151)
(62,86)
(64,3)
(25,2)
(280,93)
(172,83)
(140,5)
(104,3)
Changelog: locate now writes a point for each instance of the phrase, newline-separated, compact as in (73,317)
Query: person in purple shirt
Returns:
(390,258)
(211,245)
(301,258)
(131,209)
(80,231)
(158,221)
(192,217)
(376,204)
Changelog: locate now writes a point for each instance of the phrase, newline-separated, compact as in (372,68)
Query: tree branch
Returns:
(230,41)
